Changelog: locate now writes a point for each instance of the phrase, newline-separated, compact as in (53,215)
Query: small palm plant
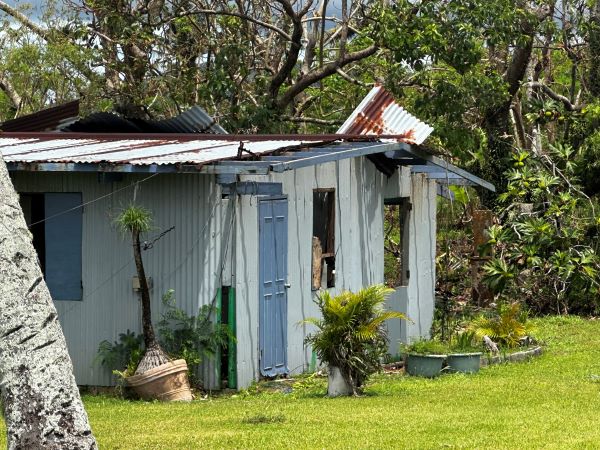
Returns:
(507,327)
(137,220)
(351,334)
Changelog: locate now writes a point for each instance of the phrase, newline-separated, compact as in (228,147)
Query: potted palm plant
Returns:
(156,376)
(351,337)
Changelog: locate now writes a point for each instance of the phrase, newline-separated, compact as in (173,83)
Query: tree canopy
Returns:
(491,76)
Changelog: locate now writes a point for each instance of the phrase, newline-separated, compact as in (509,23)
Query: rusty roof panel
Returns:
(46,119)
(380,114)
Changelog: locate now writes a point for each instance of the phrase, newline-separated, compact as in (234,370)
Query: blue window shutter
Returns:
(63,245)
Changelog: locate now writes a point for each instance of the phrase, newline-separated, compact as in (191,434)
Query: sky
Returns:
(333,8)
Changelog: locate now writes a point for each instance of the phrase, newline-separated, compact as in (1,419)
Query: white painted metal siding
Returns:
(417,299)
(188,259)
(358,242)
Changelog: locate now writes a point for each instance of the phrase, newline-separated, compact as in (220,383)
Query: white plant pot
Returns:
(337,385)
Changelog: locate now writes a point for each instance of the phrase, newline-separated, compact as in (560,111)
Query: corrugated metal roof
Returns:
(195,120)
(380,114)
(46,119)
(63,149)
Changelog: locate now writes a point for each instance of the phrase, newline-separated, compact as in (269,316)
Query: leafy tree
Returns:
(248,62)
(543,255)
(137,220)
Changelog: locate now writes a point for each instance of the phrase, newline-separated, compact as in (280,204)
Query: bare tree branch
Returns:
(291,57)
(313,120)
(24,20)
(323,72)
(555,96)
(270,26)
(352,80)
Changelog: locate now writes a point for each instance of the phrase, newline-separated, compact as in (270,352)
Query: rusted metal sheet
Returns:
(166,150)
(379,114)
(185,137)
(46,119)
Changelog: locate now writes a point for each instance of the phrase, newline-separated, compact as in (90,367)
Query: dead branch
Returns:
(555,96)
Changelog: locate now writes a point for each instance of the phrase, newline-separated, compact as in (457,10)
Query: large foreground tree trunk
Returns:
(41,403)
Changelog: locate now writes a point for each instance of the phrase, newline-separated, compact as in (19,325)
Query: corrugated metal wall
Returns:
(191,258)
(188,259)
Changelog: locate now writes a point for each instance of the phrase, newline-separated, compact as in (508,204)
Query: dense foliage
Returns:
(545,249)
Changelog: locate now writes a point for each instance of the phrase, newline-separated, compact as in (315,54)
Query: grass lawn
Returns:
(552,402)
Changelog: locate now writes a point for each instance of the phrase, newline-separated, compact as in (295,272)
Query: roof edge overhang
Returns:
(328,148)
(439,169)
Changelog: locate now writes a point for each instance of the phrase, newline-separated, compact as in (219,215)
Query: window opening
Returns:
(323,240)
(57,235)
(396,242)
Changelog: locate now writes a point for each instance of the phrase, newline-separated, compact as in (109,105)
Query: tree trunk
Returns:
(41,403)
(154,355)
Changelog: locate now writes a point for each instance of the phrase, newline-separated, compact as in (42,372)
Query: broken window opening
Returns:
(396,242)
(323,240)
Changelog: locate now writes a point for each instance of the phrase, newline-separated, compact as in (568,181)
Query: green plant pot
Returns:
(464,362)
(428,366)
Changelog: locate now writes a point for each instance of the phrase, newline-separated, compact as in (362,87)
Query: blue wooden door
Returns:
(273,226)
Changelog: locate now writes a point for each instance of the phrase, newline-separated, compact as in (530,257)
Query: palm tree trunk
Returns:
(41,403)
(154,355)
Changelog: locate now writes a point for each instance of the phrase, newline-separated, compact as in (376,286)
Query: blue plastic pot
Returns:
(464,362)
(428,366)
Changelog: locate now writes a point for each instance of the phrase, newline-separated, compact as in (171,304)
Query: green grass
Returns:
(552,402)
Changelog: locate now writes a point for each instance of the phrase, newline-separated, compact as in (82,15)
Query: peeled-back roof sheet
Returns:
(380,114)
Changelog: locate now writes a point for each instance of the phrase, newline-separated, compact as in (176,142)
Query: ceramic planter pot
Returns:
(464,362)
(167,382)
(428,366)
(337,385)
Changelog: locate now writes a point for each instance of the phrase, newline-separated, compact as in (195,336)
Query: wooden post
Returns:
(317,253)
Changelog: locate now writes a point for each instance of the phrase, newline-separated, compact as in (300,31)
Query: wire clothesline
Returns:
(74,208)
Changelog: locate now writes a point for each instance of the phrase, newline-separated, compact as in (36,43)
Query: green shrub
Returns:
(426,347)
(190,337)
(182,336)
(123,355)
(544,251)
(465,342)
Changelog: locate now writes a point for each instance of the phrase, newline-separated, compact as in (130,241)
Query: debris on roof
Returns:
(194,120)
(45,120)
